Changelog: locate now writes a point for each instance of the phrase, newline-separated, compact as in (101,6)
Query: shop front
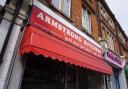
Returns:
(117,79)
(126,73)
(59,56)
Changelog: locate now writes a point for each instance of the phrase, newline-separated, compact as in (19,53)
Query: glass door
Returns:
(116,78)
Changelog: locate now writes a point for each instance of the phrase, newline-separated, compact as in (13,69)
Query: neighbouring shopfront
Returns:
(59,56)
(117,78)
(126,73)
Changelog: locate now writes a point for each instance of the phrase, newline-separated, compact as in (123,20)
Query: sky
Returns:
(120,10)
(2,2)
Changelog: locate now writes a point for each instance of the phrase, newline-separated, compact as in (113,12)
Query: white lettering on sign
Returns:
(64,32)
(58,26)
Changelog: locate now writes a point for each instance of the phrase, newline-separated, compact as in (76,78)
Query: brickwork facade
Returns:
(102,26)
(76,16)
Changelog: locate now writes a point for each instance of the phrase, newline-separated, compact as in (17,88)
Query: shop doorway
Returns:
(116,73)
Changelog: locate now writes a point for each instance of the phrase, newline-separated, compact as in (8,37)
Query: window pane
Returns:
(89,29)
(89,80)
(43,74)
(56,3)
(71,77)
(86,20)
(83,18)
(66,7)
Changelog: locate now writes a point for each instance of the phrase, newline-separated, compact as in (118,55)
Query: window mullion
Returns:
(87,20)
(61,5)
(89,24)
(66,76)
(77,79)
(69,8)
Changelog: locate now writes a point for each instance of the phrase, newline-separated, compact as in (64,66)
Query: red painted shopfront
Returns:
(53,37)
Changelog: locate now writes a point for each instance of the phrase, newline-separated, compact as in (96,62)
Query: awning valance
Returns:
(44,43)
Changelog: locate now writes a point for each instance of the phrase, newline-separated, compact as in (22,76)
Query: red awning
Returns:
(43,43)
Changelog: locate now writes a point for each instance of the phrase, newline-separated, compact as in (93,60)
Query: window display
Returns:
(44,73)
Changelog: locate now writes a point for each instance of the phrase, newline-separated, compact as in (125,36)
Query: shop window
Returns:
(63,5)
(93,80)
(86,20)
(109,82)
(45,73)
(71,77)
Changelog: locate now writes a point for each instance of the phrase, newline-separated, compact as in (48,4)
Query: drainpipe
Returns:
(15,14)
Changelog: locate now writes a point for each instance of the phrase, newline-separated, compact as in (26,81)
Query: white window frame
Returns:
(60,9)
(87,27)
(110,38)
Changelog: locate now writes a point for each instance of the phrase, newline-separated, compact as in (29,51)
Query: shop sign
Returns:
(113,59)
(44,18)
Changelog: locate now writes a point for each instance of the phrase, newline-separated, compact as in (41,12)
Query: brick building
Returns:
(113,41)
(54,44)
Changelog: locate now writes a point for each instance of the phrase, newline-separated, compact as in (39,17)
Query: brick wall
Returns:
(76,16)
(76,13)
(92,4)
(95,29)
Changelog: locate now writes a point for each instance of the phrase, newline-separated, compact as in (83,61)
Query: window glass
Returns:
(63,6)
(109,82)
(66,7)
(89,79)
(71,77)
(89,24)
(83,79)
(109,38)
(56,3)
(43,74)
(86,20)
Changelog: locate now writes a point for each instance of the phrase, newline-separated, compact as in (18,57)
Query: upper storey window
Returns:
(63,5)
(86,20)
(122,38)
(104,13)
(111,41)
(111,23)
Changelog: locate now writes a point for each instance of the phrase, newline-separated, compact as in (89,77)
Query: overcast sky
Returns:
(120,10)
